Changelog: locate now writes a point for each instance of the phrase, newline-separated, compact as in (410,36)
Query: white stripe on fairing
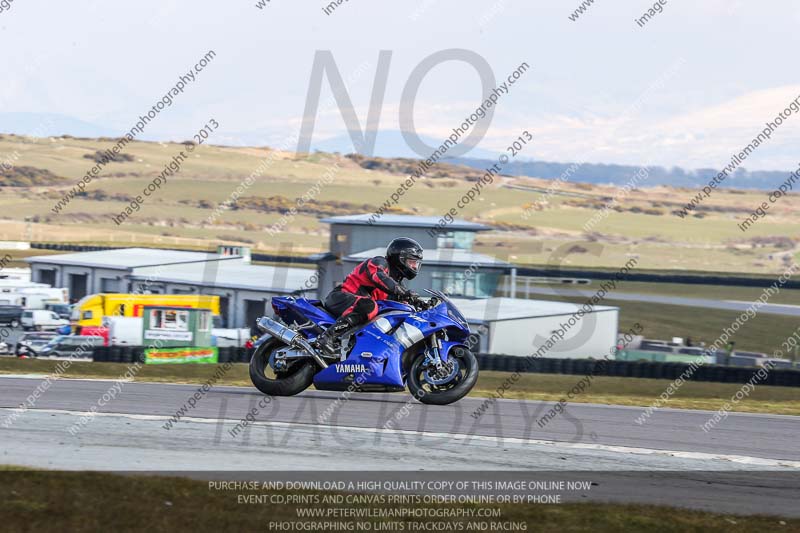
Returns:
(402,337)
(414,333)
(383,324)
(699,456)
(408,335)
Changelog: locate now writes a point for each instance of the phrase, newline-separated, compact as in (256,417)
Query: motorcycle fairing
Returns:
(376,360)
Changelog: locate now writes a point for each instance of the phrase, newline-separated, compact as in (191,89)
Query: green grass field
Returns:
(763,333)
(212,173)
(48,501)
(550,387)
(713,292)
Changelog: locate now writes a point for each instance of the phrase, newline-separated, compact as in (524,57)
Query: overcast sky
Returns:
(690,88)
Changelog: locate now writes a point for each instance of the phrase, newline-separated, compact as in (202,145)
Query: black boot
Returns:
(326,342)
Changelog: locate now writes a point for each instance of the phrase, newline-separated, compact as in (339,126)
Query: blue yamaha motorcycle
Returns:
(425,348)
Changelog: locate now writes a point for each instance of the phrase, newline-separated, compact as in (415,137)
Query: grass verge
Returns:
(762,333)
(86,501)
(549,387)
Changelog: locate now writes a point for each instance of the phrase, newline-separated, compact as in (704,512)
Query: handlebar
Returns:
(424,305)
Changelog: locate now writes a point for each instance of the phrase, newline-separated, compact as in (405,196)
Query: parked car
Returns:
(62,310)
(40,320)
(11,315)
(71,346)
(31,343)
(4,347)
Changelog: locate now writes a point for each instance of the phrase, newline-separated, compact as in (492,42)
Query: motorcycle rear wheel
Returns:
(297,378)
(449,392)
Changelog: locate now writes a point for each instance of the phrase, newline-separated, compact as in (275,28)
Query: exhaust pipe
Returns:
(290,337)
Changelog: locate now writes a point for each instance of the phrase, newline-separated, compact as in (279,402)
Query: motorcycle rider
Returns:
(378,278)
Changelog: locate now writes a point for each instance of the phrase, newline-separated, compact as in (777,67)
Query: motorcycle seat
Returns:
(320,305)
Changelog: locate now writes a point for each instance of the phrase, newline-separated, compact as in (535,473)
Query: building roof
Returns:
(440,256)
(123,258)
(494,309)
(405,221)
(232,275)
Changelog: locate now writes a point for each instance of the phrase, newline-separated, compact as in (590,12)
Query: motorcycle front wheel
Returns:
(450,384)
(294,380)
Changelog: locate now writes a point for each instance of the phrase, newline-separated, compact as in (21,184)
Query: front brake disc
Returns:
(433,377)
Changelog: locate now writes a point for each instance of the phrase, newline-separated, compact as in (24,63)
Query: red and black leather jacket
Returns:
(373,279)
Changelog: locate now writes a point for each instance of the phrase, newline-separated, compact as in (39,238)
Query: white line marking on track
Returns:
(700,456)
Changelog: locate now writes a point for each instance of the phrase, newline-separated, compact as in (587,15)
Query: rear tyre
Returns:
(451,391)
(297,378)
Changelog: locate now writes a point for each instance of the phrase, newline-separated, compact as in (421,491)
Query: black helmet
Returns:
(405,256)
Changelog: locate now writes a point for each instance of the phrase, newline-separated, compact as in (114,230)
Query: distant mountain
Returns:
(621,174)
(390,143)
(50,125)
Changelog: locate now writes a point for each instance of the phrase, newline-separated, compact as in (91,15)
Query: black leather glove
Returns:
(402,293)
(415,300)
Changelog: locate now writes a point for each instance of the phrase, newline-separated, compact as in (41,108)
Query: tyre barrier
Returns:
(118,354)
(782,377)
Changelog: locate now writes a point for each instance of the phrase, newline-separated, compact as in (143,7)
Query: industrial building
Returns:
(514,326)
(104,270)
(244,289)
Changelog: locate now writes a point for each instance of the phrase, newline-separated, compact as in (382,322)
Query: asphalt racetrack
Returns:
(749,463)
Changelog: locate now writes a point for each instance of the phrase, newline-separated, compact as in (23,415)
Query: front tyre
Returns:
(447,385)
(295,379)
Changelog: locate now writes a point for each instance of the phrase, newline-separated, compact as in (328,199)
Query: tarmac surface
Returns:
(135,428)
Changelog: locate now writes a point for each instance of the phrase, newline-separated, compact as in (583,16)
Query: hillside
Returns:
(621,174)
(533,226)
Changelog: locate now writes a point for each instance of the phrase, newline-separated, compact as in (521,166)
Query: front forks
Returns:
(433,353)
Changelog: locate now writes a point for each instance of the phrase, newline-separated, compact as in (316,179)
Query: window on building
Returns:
(460,240)
(48,277)
(469,285)
(204,322)
(169,319)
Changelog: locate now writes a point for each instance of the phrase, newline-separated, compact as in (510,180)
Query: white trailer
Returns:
(14,285)
(124,330)
(35,297)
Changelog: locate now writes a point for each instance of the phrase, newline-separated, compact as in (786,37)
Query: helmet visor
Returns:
(413,264)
